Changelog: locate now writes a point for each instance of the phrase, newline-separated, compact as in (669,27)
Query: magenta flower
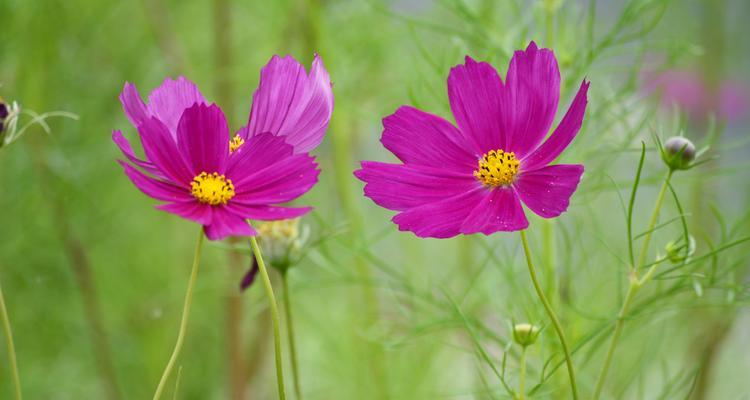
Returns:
(473,178)
(201,174)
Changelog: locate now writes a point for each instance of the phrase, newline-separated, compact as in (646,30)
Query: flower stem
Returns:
(11,347)
(555,321)
(290,336)
(274,316)
(522,375)
(635,284)
(185,316)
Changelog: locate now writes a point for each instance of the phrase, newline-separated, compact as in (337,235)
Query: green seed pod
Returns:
(525,334)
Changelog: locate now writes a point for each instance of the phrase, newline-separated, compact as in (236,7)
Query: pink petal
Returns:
(400,187)
(547,191)
(169,101)
(498,211)
(291,103)
(155,188)
(417,137)
(203,138)
(136,111)
(266,213)
(162,151)
(257,153)
(128,152)
(225,223)
(191,210)
(532,90)
(283,181)
(474,91)
(563,134)
(440,219)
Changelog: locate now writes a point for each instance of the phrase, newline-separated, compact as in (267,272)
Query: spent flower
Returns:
(474,176)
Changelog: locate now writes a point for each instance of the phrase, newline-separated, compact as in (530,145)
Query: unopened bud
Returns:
(678,152)
(677,253)
(525,334)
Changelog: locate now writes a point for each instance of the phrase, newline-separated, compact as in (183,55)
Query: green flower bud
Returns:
(525,334)
(676,251)
(678,152)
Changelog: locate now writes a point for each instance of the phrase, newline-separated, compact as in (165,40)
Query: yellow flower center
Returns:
(497,168)
(213,189)
(235,143)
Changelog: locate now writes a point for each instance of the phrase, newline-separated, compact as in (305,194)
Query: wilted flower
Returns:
(678,153)
(205,176)
(525,334)
(473,177)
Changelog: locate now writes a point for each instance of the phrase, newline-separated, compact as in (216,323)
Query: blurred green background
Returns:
(94,276)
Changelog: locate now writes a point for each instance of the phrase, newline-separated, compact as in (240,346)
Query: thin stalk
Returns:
(552,316)
(11,347)
(522,375)
(185,316)
(635,284)
(274,316)
(290,335)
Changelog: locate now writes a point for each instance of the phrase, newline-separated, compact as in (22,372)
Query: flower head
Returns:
(678,153)
(473,177)
(282,242)
(203,174)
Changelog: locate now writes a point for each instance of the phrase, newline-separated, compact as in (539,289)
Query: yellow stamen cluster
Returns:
(235,143)
(213,189)
(497,168)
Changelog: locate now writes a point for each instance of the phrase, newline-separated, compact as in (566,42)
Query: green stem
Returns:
(274,316)
(290,335)
(635,284)
(185,317)
(522,375)
(11,347)
(552,316)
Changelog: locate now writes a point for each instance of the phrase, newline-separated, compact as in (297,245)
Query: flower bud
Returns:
(678,152)
(525,334)
(676,252)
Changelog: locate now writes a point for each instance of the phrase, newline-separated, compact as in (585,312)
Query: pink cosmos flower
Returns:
(204,175)
(473,177)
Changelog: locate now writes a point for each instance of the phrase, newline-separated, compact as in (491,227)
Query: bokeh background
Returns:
(94,276)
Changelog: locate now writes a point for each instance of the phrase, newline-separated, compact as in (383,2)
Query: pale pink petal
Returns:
(547,191)
(291,103)
(168,101)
